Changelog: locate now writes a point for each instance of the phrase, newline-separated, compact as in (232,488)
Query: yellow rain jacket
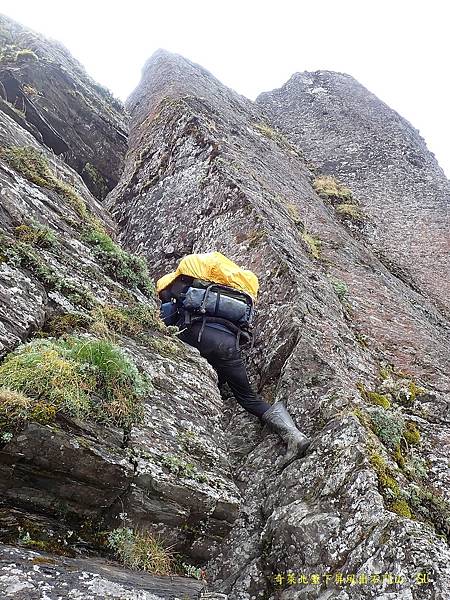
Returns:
(213,266)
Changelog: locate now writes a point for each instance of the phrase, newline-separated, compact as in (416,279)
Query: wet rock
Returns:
(170,474)
(352,337)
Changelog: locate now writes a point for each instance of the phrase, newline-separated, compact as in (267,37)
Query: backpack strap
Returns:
(201,329)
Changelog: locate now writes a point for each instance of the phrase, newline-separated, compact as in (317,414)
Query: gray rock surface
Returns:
(345,130)
(30,575)
(90,473)
(355,343)
(206,171)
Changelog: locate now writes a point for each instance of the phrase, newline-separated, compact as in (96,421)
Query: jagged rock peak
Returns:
(349,133)
(168,75)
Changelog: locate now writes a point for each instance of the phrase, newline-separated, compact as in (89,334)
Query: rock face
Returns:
(49,93)
(338,329)
(66,478)
(346,131)
(351,336)
(35,575)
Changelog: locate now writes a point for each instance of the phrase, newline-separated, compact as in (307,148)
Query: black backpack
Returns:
(211,302)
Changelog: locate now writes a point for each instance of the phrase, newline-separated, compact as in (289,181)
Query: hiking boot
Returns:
(281,422)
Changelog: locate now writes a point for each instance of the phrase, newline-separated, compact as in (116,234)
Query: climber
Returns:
(217,338)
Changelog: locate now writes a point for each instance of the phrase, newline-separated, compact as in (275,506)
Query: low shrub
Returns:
(388,426)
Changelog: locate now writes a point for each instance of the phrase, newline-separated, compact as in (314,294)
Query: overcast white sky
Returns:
(398,49)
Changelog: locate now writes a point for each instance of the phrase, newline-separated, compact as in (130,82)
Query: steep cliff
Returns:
(403,193)
(352,335)
(48,92)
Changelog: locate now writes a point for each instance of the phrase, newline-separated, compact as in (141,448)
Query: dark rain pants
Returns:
(219,349)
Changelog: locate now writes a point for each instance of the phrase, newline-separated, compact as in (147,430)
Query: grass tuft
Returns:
(33,165)
(36,235)
(122,266)
(351,211)
(329,187)
(141,551)
(26,54)
(119,264)
(85,377)
(312,243)
(16,409)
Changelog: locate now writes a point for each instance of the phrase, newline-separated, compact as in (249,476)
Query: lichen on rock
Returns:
(114,432)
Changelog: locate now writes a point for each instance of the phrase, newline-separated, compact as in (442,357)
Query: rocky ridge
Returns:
(48,92)
(352,334)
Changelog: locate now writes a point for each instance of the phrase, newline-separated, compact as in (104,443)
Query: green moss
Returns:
(414,391)
(430,506)
(402,508)
(389,487)
(108,320)
(180,467)
(398,456)
(108,96)
(130,320)
(373,397)
(122,266)
(93,177)
(83,377)
(275,135)
(312,243)
(16,409)
(165,346)
(385,476)
(378,399)
(402,388)
(418,500)
(36,235)
(67,323)
(362,417)
(293,213)
(33,165)
(411,433)
(12,53)
(48,545)
(26,54)
(329,187)
(267,130)
(385,372)
(340,287)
